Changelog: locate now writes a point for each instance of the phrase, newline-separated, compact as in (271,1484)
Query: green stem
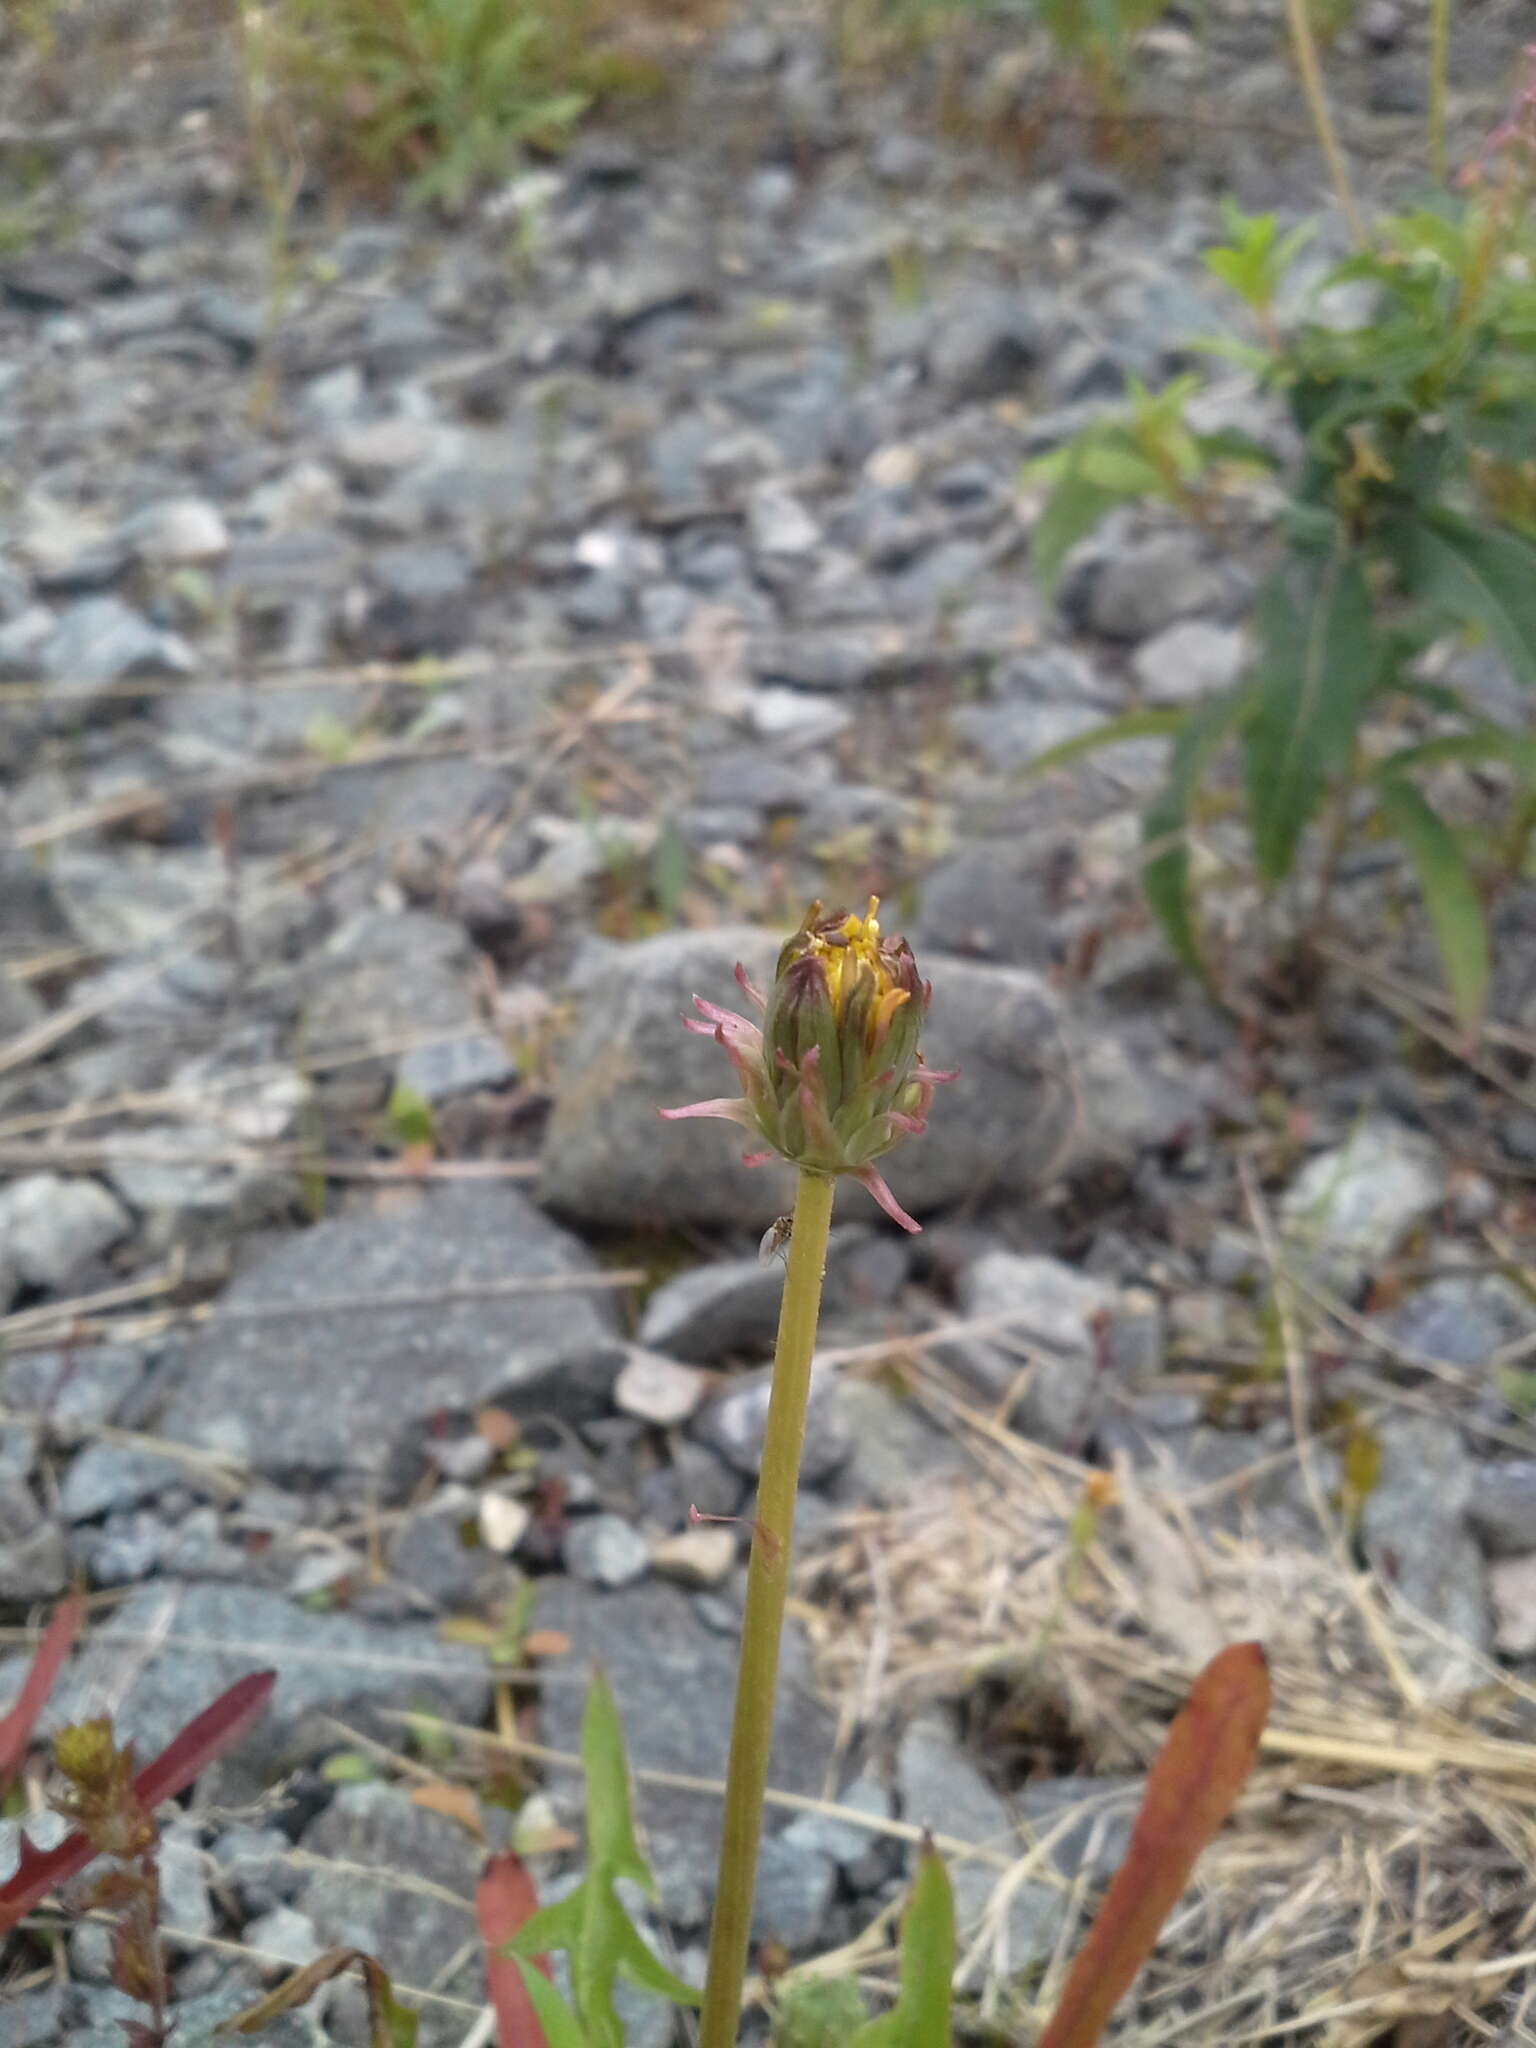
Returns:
(767,1583)
(1304,48)
(1439,57)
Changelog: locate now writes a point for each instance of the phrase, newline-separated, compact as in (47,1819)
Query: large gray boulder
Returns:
(608,1157)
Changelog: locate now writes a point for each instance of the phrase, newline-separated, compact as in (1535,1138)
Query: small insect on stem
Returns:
(775,1244)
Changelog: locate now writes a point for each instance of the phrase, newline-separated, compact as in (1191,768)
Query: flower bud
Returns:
(833,1078)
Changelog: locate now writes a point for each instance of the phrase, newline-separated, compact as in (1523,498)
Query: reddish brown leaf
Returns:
(16,1727)
(504,1899)
(184,1758)
(1192,1787)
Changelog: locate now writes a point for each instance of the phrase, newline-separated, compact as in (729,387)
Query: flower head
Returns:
(833,1077)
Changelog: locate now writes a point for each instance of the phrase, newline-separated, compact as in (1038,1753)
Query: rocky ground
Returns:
(430,652)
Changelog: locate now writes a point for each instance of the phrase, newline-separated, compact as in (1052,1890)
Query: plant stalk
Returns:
(1439,60)
(1304,46)
(767,1584)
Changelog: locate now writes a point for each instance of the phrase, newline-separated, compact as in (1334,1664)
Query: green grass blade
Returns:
(1130,725)
(1450,896)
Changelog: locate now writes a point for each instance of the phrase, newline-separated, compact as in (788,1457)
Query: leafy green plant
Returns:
(446,93)
(1408,512)
(592,1925)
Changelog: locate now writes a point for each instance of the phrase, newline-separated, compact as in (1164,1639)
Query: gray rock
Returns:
(714,1312)
(605,1550)
(36,2019)
(382,1002)
(51,1226)
(695,1477)
(1103,1811)
(1055,1316)
(387,1371)
(1502,1507)
(89,1384)
(100,641)
(284,1935)
(34,1557)
(125,1549)
(779,524)
(374,455)
(189,1181)
(254,1864)
(1188,661)
(985,344)
(992,902)
(865,1856)
(796,717)
(673,1679)
(894,1447)
(1143,586)
(22,641)
(608,1158)
(177,532)
(456,1066)
(181,1646)
(186,1905)
(939,1787)
(1013,734)
(1414,1532)
(108,1476)
(431,1554)
(794,1892)
(1350,1208)
(736,1422)
(232,318)
(658,1390)
(1462,1319)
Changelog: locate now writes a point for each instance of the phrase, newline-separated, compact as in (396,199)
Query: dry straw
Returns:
(1378,1870)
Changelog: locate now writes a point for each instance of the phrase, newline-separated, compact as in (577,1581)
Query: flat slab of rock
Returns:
(608,1157)
(300,1387)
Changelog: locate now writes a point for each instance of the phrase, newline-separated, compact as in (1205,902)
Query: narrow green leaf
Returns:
(1165,879)
(649,1973)
(611,1845)
(1450,896)
(561,2027)
(1485,743)
(1478,575)
(920,2016)
(1318,664)
(1130,725)
(1074,509)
